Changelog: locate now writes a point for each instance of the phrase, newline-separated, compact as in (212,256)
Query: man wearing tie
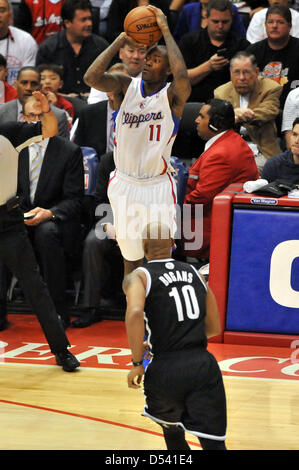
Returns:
(51,186)
(51,189)
(87,132)
(15,249)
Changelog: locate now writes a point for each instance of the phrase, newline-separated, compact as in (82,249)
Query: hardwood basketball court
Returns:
(44,408)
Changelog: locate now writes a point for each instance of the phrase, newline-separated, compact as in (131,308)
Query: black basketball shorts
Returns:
(185,388)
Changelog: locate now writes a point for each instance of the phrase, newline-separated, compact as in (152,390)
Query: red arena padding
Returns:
(220,250)
(241,272)
(261,339)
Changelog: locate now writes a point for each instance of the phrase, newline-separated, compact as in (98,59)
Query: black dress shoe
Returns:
(67,361)
(89,318)
(3,324)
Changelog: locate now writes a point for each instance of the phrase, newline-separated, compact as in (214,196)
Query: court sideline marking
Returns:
(91,418)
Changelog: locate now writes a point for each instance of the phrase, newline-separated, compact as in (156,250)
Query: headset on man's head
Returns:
(222,115)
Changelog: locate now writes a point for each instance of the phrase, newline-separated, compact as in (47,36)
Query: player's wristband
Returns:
(136,364)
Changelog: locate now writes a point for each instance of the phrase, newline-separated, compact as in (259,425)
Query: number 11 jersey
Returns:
(144,132)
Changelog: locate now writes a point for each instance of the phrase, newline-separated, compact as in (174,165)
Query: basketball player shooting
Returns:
(141,189)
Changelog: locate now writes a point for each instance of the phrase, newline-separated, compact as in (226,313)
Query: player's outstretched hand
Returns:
(42,101)
(135,372)
(161,18)
(124,37)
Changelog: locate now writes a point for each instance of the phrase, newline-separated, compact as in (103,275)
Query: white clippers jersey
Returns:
(144,132)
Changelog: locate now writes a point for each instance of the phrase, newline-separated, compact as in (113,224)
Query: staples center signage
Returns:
(265,366)
(281,289)
(262,367)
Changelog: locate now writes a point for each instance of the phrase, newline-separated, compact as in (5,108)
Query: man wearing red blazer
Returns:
(226,159)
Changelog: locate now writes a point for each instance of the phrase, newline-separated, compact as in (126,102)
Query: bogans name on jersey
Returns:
(177,276)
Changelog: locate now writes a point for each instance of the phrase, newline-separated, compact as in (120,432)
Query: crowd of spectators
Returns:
(246,54)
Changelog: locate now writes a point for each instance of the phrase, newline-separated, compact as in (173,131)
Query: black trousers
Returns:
(102,269)
(17,254)
(47,242)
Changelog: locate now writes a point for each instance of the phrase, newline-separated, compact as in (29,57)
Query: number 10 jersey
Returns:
(175,306)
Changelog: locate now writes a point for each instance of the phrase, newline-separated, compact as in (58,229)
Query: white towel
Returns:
(251,186)
(293,193)
(204,270)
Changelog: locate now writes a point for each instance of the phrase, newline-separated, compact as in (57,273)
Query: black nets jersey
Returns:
(175,306)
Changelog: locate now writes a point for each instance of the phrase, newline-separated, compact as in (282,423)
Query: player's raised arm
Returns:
(96,75)
(180,89)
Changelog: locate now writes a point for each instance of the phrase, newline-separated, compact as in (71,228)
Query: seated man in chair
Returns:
(51,188)
(256,104)
(227,159)
(102,260)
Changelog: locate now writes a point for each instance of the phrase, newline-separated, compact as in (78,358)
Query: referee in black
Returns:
(183,385)
(15,248)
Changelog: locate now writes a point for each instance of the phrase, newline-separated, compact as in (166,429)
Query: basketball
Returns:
(141,25)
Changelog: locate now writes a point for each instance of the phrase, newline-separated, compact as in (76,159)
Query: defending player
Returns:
(183,384)
(141,188)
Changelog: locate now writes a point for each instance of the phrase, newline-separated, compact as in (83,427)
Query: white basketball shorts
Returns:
(137,202)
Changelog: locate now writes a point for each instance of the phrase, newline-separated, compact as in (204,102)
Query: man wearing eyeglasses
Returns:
(15,249)
(28,81)
(51,189)
(256,104)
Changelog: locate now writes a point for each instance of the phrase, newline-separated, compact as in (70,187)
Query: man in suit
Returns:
(88,133)
(52,194)
(256,104)
(102,259)
(15,248)
(28,80)
(227,159)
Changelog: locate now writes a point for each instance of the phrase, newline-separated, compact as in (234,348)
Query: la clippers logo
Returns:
(131,119)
